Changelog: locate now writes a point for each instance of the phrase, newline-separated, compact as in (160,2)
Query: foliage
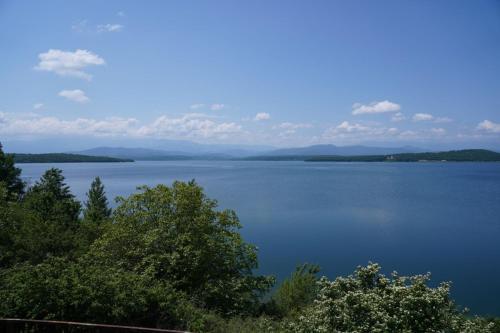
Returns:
(64,158)
(61,289)
(51,199)
(15,244)
(96,206)
(368,301)
(176,234)
(96,214)
(237,324)
(10,176)
(298,291)
(495,322)
(7,227)
(46,222)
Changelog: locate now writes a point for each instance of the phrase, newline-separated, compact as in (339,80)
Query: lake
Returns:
(410,217)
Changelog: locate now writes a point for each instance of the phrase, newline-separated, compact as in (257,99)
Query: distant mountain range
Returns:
(145,154)
(171,147)
(233,152)
(341,150)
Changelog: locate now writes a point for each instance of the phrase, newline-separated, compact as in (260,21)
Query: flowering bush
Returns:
(368,301)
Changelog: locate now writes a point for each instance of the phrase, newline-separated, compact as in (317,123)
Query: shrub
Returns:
(368,301)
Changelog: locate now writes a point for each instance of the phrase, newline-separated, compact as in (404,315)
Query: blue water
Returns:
(410,217)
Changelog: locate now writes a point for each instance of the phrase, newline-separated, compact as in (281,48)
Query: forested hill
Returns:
(64,158)
(467,155)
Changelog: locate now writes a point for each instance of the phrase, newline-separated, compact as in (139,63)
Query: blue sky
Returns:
(281,73)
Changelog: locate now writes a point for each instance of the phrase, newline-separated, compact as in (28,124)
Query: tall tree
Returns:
(53,224)
(10,175)
(51,199)
(96,206)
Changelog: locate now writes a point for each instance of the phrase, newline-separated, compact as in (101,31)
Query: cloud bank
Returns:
(188,126)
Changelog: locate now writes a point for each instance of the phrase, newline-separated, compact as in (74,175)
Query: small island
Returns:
(64,158)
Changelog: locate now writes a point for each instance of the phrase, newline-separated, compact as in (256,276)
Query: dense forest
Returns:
(64,158)
(167,257)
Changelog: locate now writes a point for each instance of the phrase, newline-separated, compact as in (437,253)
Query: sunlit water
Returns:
(410,217)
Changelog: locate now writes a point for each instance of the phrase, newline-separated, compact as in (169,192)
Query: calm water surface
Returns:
(410,217)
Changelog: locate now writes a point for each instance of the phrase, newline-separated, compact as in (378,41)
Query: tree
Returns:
(96,206)
(176,234)
(369,302)
(298,291)
(51,227)
(51,199)
(10,176)
(7,228)
(66,290)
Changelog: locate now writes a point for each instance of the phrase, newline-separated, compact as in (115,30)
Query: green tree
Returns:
(96,206)
(50,226)
(18,233)
(176,234)
(298,291)
(96,214)
(10,175)
(7,228)
(66,290)
(51,199)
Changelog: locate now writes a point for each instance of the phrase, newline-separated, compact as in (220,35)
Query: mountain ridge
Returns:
(140,153)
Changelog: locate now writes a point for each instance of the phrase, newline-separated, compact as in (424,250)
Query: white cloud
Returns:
(76,95)
(422,117)
(37,106)
(67,63)
(36,125)
(443,120)
(217,107)
(262,116)
(408,134)
(109,27)
(489,126)
(375,107)
(398,117)
(346,126)
(121,14)
(358,132)
(191,125)
(353,133)
(292,126)
(197,106)
(213,107)
(288,128)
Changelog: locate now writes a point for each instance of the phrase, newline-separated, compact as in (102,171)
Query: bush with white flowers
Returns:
(370,302)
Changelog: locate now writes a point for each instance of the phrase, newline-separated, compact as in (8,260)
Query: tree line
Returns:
(167,257)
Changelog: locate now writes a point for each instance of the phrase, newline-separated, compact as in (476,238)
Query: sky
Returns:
(275,73)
